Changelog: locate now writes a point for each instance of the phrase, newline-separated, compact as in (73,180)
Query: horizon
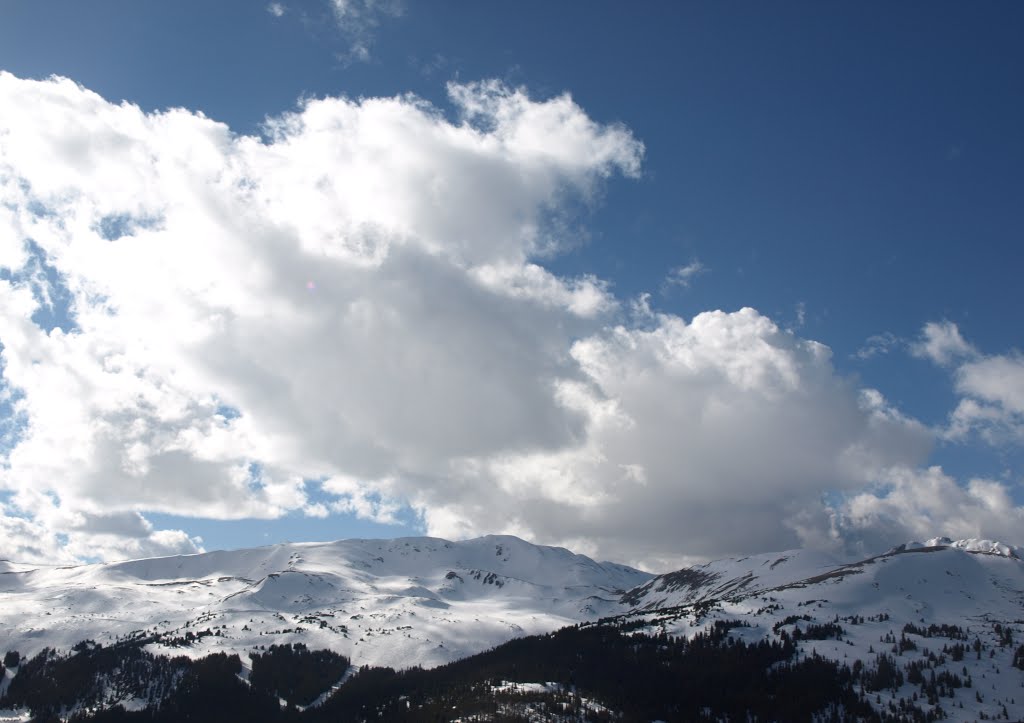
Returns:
(650,286)
(963,545)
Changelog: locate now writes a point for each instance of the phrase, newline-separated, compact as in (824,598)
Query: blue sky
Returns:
(852,173)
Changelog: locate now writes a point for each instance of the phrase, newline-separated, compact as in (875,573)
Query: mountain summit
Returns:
(415,600)
(924,631)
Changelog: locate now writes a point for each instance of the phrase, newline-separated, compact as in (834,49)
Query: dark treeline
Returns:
(711,676)
(296,674)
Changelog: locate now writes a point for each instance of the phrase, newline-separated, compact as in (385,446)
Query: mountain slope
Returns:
(938,578)
(944,610)
(925,631)
(421,601)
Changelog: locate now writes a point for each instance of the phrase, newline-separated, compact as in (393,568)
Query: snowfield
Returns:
(882,605)
(941,608)
(398,603)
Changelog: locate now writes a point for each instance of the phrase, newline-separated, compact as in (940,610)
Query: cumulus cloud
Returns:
(351,295)
(942,343)
(995,379)
(356,303)
(992,405)
(709,434)
(991,387)
(912,504)
(38,530)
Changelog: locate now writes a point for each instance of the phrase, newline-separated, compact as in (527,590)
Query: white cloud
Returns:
(701,439)
(358,299)
(996,379)
(359,20)
(942,343)
(877,345)
(358,287)
(684,275)
(919,504)
(801,314)
(276,9)
(991,387)
(992,403)
(38,530)
(363,499)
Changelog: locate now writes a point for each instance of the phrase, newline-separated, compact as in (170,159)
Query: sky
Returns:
(656,282)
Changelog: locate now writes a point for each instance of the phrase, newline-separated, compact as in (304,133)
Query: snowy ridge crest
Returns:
(972,544)
(409,601)
(944,617)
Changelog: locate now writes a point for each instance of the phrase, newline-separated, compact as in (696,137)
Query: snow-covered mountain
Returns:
(939,577)
(410,601)
(922,604)
(947,616)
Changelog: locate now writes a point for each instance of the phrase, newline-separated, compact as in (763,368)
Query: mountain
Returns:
(962,576)
(925,631)
(945,608)
(409,601)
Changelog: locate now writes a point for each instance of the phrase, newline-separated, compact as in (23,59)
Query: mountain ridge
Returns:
(449,598)
(935,605)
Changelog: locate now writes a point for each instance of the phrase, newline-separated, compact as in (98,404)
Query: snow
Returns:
(352,670)
(9,714)
(973,584)
(425,601)
(404,602)
(989,547)
(524,708)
